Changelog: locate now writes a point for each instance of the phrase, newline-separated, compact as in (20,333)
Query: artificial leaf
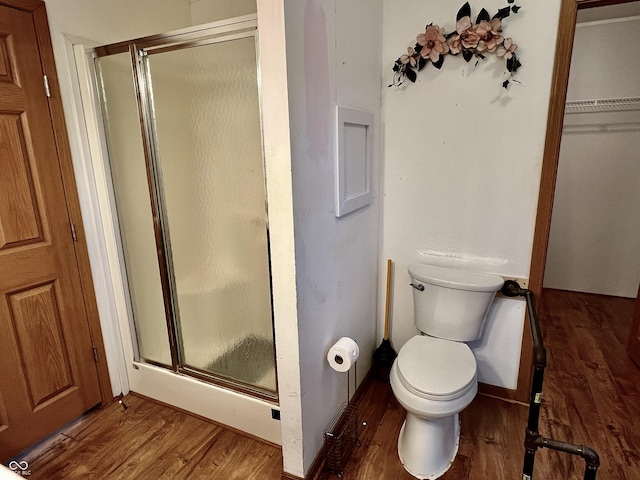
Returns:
(411,74)
(439,63)
(515,8)
(516,64)
(467,55)
(513,64)
(417,47)
(503,13)
(465,11)
(396,67)
(510,1)
(505,84)
(483,16)
(422,62)
(510,64)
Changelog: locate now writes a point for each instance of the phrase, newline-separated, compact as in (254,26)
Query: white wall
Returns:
(462,160)
(595,227)
(333,58)
(205,11)
(116,20)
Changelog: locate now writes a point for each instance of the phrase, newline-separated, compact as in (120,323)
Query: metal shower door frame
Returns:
(139,51)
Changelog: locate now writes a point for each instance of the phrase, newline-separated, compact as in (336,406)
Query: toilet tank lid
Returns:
(458,279)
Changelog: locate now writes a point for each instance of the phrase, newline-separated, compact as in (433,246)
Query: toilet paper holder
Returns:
(342,434)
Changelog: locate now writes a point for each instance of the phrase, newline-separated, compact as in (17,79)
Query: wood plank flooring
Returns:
(150,441)
(591,397)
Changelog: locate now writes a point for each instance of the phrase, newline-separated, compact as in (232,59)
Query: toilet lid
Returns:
(432,367)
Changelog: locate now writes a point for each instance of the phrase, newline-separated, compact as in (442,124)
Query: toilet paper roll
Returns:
(343,354)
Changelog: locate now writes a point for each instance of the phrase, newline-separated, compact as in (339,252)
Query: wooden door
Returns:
(633,346)
(48,374)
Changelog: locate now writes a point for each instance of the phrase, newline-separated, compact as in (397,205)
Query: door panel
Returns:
(38,329)
(19,218)
(48,374)
(213,187)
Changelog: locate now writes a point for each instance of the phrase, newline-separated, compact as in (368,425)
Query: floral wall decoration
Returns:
(469,39)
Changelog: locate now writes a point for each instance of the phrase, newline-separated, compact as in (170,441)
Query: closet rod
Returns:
(603,105)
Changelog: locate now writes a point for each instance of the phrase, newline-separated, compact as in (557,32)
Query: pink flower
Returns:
(489,33)
(506,49)
(463,25)
(409,57)
(433,43)
(466,38)
(455,44)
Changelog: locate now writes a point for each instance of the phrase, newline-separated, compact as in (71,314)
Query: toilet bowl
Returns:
(433,378)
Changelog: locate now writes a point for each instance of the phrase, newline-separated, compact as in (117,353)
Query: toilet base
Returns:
(427,448)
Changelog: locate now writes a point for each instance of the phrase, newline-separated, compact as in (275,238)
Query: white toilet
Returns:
(434,375)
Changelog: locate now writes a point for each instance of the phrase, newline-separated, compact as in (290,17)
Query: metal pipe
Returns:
(533,440)
(511,288)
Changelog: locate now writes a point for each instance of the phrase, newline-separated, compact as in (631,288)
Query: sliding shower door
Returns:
(189,186)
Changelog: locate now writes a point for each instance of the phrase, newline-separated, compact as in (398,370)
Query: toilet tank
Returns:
(451,304)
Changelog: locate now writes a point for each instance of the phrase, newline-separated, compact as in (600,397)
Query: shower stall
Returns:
(182,124)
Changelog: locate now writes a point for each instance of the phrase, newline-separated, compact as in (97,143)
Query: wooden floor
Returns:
(150,441)
(591,397)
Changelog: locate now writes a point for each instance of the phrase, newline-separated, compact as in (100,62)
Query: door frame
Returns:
(633,342)
(37,9)
(555,120)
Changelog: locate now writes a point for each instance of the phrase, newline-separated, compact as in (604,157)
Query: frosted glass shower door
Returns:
(206,118)
(134,210)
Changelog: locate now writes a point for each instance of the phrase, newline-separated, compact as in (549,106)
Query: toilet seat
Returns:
(436,369)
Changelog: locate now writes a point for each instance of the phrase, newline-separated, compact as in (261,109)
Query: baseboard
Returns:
(288,476)
(318,464)
(204,419)
(498,392)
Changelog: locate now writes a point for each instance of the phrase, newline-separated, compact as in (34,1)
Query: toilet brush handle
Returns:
(387,303)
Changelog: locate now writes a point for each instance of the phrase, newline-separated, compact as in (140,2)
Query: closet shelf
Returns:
(603,105)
